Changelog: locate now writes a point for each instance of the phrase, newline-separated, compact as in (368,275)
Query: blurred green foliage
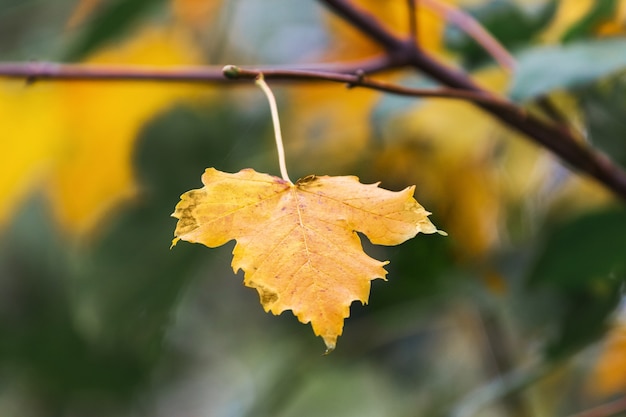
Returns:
(88,318)
(513,24)
(583,28)
(583,263)
(113,20)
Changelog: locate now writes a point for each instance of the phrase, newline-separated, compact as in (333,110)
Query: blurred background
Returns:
(515,313)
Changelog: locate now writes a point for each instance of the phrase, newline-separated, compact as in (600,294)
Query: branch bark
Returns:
(353,75)
(359,80)
(49,71)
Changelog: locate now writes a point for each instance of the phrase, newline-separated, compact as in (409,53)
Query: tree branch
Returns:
(400,53)
(352,75)
(42,71)
(359,80)
(561,142)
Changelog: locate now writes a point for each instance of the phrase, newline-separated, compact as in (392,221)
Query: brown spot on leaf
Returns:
(267,296)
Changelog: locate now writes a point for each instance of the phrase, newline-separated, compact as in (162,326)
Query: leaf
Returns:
(297,243)
(573,65)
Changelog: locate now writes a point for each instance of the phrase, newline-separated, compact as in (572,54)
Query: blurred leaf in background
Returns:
(81,153)
(512,23)
(587,272)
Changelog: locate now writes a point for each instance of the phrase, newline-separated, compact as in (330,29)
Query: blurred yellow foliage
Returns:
(572,11)
(471,170)
(447,149)
(617,24)
(330,125)
(196,13)
(31,135)
(464,164)
(76,138)
(609,376)
(349,43)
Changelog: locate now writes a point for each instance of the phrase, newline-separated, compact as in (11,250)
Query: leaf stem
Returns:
(260,81)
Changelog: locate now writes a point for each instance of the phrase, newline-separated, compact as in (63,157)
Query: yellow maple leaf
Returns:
(297,243)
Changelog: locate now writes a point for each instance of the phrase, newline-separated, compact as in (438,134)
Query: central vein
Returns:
(300,221)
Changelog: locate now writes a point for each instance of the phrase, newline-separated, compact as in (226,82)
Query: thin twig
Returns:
(611,409)
(357,80)
(52,71)
(44,71)
(351,74)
